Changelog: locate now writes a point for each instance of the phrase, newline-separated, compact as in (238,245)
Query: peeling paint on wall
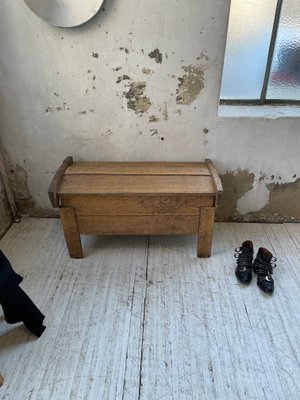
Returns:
(122,78)
(153,118)
(235,185)
(156,55)
(190,84)
(135,99)
(147,71)
(284,200)
(255,199)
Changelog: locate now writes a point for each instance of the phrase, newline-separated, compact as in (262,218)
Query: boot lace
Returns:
(243,259)
(263,267)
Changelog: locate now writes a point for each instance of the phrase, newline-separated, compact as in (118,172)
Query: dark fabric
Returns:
(17,306)
(8,277)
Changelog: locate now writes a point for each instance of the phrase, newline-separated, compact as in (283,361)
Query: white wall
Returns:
(63,93)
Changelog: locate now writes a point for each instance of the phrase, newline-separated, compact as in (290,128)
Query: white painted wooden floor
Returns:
(143,318)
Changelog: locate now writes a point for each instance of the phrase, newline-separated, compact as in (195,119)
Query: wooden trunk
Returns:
(141,198)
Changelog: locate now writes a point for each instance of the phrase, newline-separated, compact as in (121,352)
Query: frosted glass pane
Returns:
(248,41)
(284,82)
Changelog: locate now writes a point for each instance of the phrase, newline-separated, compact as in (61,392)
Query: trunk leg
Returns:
(205,233)
(69,223)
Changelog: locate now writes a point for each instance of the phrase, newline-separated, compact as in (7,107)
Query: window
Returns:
(262,58)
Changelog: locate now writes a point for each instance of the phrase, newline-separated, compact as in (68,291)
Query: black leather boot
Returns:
(17,306)
(263,266)
(244,258)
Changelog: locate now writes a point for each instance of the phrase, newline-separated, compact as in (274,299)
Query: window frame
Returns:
(263,100)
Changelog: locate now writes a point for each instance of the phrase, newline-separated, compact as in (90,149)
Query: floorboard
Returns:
(144,319)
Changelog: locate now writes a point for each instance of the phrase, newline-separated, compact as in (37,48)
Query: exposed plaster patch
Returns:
(255,199)
(249,200)
(135,99)
(156,55)
(235,185)
(190,84)
(284,200)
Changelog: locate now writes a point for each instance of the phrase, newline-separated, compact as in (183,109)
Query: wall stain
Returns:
(235,185)
(156,55)
(122,78)
(147,71)
(23,198)
(153,118)
(203,56)
(59,108)
(190,84)
(283,201)
(283,204)
(165,112)
(136,100)
(95,55)
(205,132)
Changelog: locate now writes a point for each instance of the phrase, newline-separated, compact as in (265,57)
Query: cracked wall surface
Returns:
(140,81)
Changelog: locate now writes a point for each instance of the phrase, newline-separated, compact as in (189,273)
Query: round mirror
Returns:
(65,13)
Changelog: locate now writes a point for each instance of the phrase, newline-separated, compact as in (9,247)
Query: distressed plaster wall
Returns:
(140,81)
